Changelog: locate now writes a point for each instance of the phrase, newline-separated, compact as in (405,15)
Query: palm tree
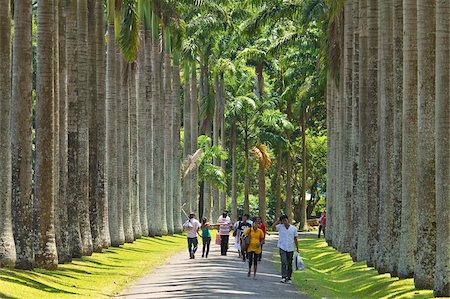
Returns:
(363,228)
(263,158)
(82,126)
(398,112)
(102,192)
(111,127)
(73,209)
(426,232)
(194,135)
(386,89)
(92,107)
(8,250)
(355,131)
(408,233)
(441,279)
(372,130)
(168,128)
(187,122)
(22,130)
(176,136)
(141,88)
(45,255)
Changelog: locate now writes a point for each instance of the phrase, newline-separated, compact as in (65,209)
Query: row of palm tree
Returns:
(388,159)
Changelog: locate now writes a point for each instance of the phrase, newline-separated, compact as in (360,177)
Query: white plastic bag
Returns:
(297,262)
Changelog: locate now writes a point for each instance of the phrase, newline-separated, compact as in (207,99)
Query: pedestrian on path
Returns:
(288,237)
(256,237)
(322,223)
(206,236)
(242,227)
(224,224)
(262,226)
(237,237)
(192,226)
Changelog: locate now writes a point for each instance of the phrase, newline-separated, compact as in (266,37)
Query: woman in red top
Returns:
(262,226)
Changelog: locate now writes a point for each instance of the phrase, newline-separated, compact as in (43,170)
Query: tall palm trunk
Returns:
(92,106)
(426,232)
(278,184)
(355,132)
(223,194)
(56,103)
(101,192)
(216,132)
(289,201)
(262,191)
(141,89)
(158,137)
(398,112)
(120,90)
(7,246)
(150,97)
(62,237)
(247,171)
(442,275)
(347,228)
(408,233)
(194,136)
(234,207)
(124,157)
(83,128)
(187,126)
(363,225)
(111,137)
(45,255)
(372,131)
(177,221)
(330,156)
(22,130)
(134,155)
(168,132)
(73,207)
(207,190)
(386,133)
(303,218)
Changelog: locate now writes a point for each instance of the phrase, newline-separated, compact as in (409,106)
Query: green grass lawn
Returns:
(98,276)
(331,274)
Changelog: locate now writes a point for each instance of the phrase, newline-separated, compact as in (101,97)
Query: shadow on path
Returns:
(215,277)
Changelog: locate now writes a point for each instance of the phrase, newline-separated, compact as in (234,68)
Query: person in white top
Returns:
(287,239)
(192,226)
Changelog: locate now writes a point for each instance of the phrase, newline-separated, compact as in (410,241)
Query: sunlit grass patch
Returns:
(98,276)
(330,274)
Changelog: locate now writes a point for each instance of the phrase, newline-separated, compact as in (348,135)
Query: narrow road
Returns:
(215,277)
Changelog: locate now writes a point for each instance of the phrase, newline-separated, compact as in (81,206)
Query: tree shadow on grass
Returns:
(332,274)
(2,295)
(29,279)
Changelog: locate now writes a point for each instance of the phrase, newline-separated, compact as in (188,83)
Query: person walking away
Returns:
(242,227)
(322,223)
(256,236)
(262,226)
(288,237)
(224,224)
(192,226)
(237,237)
(206,237)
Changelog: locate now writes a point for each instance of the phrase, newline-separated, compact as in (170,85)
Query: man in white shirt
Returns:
(287,239)
(192,226)
(225,225)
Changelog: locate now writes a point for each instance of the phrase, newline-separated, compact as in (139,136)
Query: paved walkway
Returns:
(215,277)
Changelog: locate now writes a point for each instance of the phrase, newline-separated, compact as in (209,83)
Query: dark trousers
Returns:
(206,243)
(192,245)
(286,263)
(253,258)
(224,244)
(321,228)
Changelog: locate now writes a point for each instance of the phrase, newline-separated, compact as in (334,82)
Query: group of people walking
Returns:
(250,235)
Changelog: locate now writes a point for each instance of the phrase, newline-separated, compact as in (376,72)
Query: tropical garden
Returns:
(119,117)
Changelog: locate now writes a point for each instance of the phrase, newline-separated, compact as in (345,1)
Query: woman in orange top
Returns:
(254,248)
